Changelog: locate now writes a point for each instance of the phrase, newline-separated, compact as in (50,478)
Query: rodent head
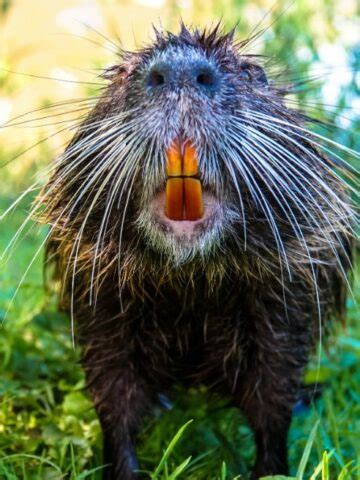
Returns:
(256,180)
(186,90)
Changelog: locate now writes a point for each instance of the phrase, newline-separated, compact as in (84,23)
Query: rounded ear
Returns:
(259,75)
(253,73)
(115,73)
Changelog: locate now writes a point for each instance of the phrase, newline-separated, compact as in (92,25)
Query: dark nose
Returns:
(175,75)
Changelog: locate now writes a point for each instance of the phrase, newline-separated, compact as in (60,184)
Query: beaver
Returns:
(200,235)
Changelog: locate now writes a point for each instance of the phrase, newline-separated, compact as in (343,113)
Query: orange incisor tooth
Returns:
(194,209)
(174,161)
(183,192)
(190,164)
(174,199)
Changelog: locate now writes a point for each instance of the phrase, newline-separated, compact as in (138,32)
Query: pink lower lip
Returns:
(182,227)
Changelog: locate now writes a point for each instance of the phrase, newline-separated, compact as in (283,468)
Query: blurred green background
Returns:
(52,52)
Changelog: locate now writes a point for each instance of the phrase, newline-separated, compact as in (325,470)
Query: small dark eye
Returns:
(155,79)
(245,75)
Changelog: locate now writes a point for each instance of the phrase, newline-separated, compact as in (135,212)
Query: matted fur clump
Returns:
(233,299)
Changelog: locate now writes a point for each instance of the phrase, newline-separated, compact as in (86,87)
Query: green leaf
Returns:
(76,403)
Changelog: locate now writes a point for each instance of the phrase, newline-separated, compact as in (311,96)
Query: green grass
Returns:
(49,430)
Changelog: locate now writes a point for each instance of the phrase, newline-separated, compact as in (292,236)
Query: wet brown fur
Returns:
(233,321)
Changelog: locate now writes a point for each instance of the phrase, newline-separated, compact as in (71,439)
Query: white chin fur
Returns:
(182,240)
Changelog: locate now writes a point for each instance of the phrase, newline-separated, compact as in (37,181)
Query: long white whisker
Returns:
(300,166)
(292,126)
(261,139)
(127,172)
(260,198)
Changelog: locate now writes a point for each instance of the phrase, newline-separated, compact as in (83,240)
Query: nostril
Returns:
(155,79)
(206,79)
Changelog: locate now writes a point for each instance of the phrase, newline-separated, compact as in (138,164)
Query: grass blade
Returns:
(169,449)
(319,467)
(179,469)
(223,471)
(325,467)
(305,456)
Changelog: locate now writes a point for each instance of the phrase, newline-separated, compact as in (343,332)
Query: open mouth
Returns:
(184,209)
